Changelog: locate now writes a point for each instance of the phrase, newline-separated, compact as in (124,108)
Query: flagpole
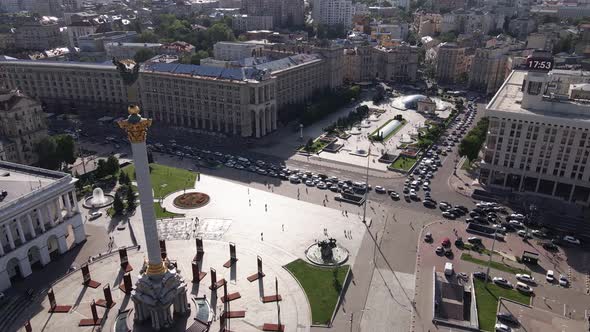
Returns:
(366,188)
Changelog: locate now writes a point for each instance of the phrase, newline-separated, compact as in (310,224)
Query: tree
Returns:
(143,55)
(148,37)
(131,204)
(66,149)
(46,151)
(112,165)
(101,169)
(196,58)
(450,36)
(309,144)
(124,178)
(118,205)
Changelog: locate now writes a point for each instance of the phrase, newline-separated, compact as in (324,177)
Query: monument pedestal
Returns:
(155,296)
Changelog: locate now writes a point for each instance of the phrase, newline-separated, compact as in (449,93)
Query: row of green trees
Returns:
(56,152)
(125,190)
(473,141)
(329,103)
(348,120)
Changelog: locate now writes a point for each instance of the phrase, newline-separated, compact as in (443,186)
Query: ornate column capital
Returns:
(135,126)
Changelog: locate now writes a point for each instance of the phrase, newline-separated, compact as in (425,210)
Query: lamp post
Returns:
(491,254)
(366,188)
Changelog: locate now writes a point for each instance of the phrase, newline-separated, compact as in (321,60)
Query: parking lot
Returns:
(572,301)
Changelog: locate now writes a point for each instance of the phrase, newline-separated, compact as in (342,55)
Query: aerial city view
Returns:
(294,165)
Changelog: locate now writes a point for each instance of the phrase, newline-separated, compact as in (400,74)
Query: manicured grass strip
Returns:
(160,213)
(494,265)
(166,180)
(403,163)
(322,287)
(401,125)
(487,302)
(316,147)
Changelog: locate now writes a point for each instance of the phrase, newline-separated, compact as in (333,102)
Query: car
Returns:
(429,203)
(550,276)
(380,190)
(446,242)
(479,275)
(538,233)
(394,195)
(428,237)
(94,215)
(516,224)
(502,282)
(508,318)
(463,275)
(406,190)
(474,240)
(522,233)
(413,196)
(443,206)
(449,149)
(572,240)
(522,287)
(334,188)
(439,250)
(502,328)
(563,281)
(525,278)
(448,215)
(309,183)
(462,208)
(322,186)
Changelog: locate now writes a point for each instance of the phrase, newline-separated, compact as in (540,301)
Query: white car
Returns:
(516,216)
(550,276)
(563,281)
(95,215)
(502,282)
(322,185)
(502,328)
(571,239)
(522,233)
(525,278)
(380,190)
(521,286)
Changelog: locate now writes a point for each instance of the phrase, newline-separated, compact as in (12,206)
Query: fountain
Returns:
(98,199)
(365,124)
(327,252)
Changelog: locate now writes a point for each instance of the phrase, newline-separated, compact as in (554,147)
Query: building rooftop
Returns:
(21,181)
(59,64)
(509,97)
(232,74)
(288,62)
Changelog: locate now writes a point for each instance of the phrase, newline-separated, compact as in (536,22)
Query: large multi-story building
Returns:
(450,63)
(491,65)
(39,34)
(538,142)
(128,50)
(78,29)
(233,51)
(397,63)
(284,12)
(39,220)
(22,125)
(243,23)
(333,12)
(238,101)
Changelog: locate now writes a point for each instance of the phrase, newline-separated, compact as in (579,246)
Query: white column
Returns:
(1,250)
(51,219)
(257,122)
(263,123)
(41,221)
(44,257)
(60,217)
(21,233)
(62,245)
(25,266)
(31,227)
(146,202)
(68,204)
(75,199)
(9,235)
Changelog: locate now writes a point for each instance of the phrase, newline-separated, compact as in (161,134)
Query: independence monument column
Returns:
(159,286)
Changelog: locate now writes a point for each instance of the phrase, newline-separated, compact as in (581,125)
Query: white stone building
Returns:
(333,12)
(538,142)
(232,51)
(39,220)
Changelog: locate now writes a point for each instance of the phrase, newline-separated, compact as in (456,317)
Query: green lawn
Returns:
(166,180)
(322,287)
(402,124)
(316,147)
(487,302)
(403,163)
(494,265)
(160,213)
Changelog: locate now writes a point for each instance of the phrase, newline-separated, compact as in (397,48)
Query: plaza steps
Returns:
(11,310)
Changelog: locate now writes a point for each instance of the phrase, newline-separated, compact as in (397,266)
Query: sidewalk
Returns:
(463,181)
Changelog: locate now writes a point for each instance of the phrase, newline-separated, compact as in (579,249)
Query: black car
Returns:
(480,220)
(479,275)
(478,210)
(550,246)
(462,208)
(507,318)
(429,203)
(473,214)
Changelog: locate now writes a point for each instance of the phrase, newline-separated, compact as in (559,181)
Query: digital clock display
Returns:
(543,64)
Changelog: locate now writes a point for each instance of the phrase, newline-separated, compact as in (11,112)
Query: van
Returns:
(448,269)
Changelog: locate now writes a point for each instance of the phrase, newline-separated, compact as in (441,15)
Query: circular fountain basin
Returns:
(98,199)
(339,255)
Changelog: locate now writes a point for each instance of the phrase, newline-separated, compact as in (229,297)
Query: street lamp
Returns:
(491,254)
(366,188)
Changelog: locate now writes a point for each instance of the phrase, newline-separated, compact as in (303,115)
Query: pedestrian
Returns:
(306,191)
(265,208)
(249,202)
(283,227)
(346,212)
(346,236)
(324,203)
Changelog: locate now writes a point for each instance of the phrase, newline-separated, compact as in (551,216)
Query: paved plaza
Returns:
(277,228)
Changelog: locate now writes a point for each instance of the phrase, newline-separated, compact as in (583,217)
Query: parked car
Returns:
(550,276)
(563,281)
(571,240)
(522,233)
(549,246)
(522,287)
(479,275)
(508,318)
(525,278)
(448,215)
(502,282)
(428,237)
(474,240)
(394,195)
(502,328)
(439,250)
(94,215)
